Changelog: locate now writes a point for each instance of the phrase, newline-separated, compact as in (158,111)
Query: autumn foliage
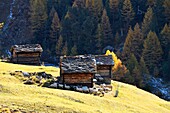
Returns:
(119,70)
(132,74)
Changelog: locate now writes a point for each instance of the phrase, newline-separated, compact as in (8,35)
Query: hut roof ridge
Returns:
(104,60)
(27,48)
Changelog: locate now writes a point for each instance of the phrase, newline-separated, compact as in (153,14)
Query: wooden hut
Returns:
(77,70)
(104,67)
(26,54)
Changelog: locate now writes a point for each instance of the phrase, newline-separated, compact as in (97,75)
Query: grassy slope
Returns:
(17,95)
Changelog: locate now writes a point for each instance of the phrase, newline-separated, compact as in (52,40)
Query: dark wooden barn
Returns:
(104,67)
(77,70)
(26,54)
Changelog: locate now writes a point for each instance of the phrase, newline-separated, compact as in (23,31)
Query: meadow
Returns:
(16,95)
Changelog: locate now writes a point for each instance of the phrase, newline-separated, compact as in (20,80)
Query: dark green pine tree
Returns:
(137,43)
(51,15)
(99,40)
(59,46)
(151,3)
(74,26)
(83,27)
(127,14)
(117,40)
(166,6)
(156,71)
(132,62)
(38,17)
(134,69)
(89,6)
(128,45)
(138,79)
(61,6)
(159,17)
(152,52)
(166,68)
(114,6)
(143,67)
(88,35)
(106,30)
(79,3)
(55,31)
(97,8)
(147,22)
(165,40)
(66,30)
(133,43)
(74,50)
(65,49)
(55,26)
(114,15)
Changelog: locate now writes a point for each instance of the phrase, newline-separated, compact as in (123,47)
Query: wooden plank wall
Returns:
(78,79)
(104,71)
(27,58)
(28,55)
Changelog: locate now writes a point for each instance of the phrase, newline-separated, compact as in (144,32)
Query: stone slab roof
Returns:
(78,64)
(104,60)
(27,48)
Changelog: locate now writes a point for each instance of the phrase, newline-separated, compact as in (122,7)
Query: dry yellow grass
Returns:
(16,95)
(7,67)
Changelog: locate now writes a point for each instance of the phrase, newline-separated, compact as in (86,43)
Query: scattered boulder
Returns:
(79,89)
(94,91)
(29,82)
(54,85)
(60,85)
(85,89)
(26,74)
(94,80)
(46,84)
(102,94)
(44,75)
(67,87)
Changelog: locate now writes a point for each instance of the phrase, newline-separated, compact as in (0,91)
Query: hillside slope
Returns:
(16,95)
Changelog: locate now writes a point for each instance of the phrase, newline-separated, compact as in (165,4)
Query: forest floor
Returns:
(16,95)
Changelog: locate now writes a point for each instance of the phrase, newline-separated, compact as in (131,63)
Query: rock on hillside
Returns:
(160,88)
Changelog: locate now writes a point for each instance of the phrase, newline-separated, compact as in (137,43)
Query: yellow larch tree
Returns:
(119,70)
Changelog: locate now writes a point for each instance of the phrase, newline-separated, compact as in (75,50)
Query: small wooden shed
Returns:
(77,70)
(104,67)
(26,54)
